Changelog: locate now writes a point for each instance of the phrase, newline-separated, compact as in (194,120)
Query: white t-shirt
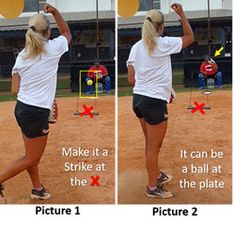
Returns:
(38,76)
(153,73)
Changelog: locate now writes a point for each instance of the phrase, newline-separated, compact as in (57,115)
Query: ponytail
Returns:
(149,34)
(152,22)
(36,36)
(34,44)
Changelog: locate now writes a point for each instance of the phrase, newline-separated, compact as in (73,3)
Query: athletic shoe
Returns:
(164,178)
(159,192)
(42,194)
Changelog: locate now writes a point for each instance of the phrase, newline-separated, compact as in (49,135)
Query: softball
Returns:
(89,82)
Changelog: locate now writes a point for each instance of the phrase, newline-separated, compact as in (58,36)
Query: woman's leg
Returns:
(155,137)
(33,171)
(34,148)
(34,176)
(144,129)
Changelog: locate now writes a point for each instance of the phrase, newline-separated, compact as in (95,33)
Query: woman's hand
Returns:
(49,9)
(188,37)
(62,25)
(178,9)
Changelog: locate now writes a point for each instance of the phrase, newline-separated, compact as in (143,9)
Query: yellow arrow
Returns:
(218,52)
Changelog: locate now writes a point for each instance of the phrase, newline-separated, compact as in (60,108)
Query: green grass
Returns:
(63,89)
(178,79)
(5,85)
(122,81)
(127,91)
(7,98)
(59,93)
(124,89)
(62,83)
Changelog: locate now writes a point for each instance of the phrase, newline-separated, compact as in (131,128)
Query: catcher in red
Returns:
(103,77)
(209,69)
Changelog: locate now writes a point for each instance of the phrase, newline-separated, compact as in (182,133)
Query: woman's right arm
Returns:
(62,25)
(188,37)
(15,84)
(131,75)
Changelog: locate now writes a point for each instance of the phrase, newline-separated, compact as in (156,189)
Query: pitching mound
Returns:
(189,131)
(70,131)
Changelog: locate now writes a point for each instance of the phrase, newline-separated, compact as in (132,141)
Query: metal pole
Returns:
(97,31)
(209,29)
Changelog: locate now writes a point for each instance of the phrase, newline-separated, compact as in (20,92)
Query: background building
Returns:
(129,31)
(81,17)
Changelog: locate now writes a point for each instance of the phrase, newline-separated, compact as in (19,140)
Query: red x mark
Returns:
(87,111)
(95,181)
(198,107)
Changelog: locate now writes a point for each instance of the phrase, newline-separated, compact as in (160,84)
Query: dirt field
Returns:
(69,131)
(194,132)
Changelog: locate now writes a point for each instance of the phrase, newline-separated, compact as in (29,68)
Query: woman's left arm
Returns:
(15,84)
(131,75)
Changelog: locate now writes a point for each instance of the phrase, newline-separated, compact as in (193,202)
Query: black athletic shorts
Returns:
(153,110)
(32,120)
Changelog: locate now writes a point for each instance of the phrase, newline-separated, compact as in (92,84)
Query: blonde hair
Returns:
(36,35)
(153,20)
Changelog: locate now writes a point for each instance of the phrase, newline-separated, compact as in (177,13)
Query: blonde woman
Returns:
(34,78)
(149,71)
